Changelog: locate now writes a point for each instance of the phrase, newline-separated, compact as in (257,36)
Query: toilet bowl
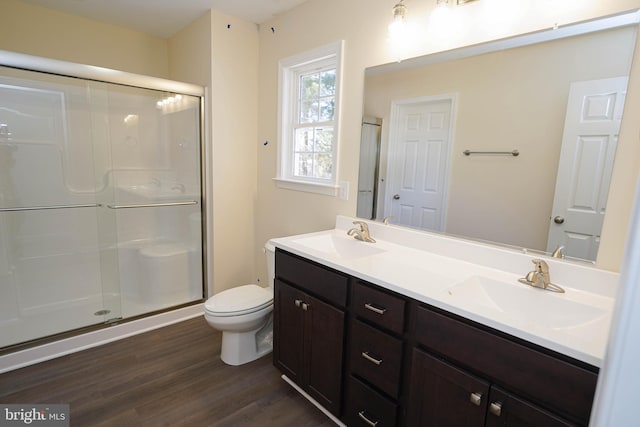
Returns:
(244,316)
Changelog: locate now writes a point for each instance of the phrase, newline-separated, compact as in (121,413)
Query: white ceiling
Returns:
(165,17)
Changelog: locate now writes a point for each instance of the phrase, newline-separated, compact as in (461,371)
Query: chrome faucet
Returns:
(539,277)
(362,233)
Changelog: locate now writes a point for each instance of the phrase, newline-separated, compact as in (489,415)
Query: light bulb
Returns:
(397,28)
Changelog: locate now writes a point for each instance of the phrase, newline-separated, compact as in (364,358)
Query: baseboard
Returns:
(315,403)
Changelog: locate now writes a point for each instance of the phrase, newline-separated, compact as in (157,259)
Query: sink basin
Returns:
(523,303)
(338,246)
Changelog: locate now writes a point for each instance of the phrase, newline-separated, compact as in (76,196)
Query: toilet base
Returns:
(239,348)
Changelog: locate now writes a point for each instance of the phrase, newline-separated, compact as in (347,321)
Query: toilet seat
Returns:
(238,301)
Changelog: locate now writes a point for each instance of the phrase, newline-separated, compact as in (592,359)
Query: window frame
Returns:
(289,71)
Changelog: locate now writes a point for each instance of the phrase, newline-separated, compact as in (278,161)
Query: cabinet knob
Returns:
(496,408)
(476,398)
(364,418)
(305,306)
(298,302)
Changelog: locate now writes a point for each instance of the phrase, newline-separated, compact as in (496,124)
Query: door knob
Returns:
(558,220)
(396,197)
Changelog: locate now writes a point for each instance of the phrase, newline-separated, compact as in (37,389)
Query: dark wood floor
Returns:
(168,377)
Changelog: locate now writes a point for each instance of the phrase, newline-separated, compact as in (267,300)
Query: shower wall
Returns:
(100,203)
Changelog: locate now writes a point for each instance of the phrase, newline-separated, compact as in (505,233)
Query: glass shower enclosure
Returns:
(100,203)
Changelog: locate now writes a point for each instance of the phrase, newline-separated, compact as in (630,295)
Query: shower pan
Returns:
(100,201)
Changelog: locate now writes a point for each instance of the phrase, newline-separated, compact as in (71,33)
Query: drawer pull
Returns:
(476,398)
(373,360)
(496,408)
(375,309)
(367,420)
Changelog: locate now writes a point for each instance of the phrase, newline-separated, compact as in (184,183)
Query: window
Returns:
(308,112)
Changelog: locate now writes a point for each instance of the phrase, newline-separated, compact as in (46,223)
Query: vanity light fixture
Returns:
(441,16)
(443,21)
(398,24)
(169,100)
(458,2)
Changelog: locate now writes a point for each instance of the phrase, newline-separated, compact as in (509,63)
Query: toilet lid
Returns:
(239,300)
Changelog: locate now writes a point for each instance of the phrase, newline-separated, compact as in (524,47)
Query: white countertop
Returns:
(473,280)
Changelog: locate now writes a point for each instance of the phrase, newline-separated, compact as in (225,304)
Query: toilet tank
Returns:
(270,252)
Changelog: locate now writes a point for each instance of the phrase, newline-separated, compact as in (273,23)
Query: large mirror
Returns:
(510,142)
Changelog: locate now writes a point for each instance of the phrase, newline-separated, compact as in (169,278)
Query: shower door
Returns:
(99,203)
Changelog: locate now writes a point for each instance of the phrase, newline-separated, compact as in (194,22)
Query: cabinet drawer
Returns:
(364,407)
(381,308)
(376,357)
(314,278)
(561,386)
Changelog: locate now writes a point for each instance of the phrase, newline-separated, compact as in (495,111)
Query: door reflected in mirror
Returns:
(558,103)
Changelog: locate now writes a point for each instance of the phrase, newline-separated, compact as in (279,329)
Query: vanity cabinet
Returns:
(374,357)
(468,368)
(309,323)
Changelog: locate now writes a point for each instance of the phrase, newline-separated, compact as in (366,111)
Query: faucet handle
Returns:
(363,233)
(363,225)
(541,265)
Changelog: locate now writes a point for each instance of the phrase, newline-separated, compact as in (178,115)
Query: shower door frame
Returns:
(105,75)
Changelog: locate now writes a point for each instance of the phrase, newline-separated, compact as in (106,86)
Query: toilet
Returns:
(244,316)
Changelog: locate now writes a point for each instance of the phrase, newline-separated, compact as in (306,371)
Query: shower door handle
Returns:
(154,205)
(41,208)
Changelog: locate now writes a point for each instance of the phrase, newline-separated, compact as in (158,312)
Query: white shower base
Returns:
(33,355)
(38,308)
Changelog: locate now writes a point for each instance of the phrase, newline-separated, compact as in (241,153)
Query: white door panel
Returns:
(420,133)
(592,123)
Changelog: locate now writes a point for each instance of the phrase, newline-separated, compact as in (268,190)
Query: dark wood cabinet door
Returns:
(507,410)
(323,352)
(288,331)
(442,395)
(308,343)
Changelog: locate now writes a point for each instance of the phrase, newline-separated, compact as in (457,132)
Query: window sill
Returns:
(308,187)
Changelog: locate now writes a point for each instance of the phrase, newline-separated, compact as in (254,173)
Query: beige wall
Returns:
(234,133)
(39,31)
(220,52)
(190,52)
(513,99)
(283,212)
